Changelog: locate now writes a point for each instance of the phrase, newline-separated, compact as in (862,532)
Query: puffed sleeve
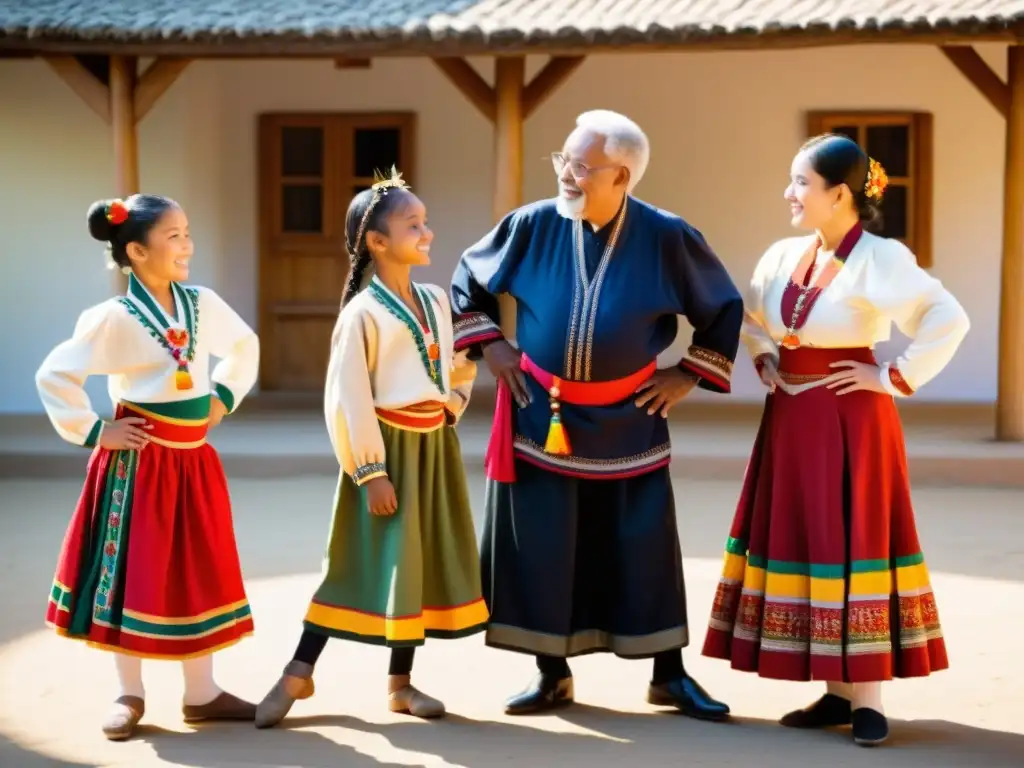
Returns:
(755,335)
(462,372)
(923,310)
(708,299)
(348,397)
(92,350)
(481,275)
(235,343)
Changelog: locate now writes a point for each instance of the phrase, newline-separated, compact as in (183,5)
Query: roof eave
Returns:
(477,43)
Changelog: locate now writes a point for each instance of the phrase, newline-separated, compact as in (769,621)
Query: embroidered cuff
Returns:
(474,329)
(713,368)
(367,472)
(93,437)
(225,395)
(893,381)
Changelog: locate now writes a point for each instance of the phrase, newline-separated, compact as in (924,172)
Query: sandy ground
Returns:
(54,693)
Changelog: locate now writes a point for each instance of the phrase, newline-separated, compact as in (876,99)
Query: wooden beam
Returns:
(980,75)
(545,82)
(123,73)
(351,62)
(154,83)
(476,90)
(1010,398)
(509,81)
(80,80)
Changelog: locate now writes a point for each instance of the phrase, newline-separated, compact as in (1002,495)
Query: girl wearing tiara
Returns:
(401,562)
(149,567)
(824,576)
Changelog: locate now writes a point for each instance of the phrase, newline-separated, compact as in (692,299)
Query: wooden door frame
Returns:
(338,178)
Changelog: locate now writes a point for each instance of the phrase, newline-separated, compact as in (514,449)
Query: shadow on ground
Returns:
(282,524)
(15,756)
(614,738)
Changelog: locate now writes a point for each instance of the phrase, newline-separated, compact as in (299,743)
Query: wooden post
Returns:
(1010,402)
(509,81)
(126,145)
(508,104)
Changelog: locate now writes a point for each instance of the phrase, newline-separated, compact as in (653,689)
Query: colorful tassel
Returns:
(557,443)
(182,378)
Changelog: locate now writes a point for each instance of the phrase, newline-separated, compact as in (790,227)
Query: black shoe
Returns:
(827,712)
(870,728)
(687,695)
(542,694)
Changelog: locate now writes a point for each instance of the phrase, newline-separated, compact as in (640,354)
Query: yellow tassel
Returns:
(557,442)
(182,379)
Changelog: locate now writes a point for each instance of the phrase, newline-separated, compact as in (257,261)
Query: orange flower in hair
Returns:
(877,180)
(117,212)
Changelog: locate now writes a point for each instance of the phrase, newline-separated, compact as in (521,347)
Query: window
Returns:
(902,143)
(310,166)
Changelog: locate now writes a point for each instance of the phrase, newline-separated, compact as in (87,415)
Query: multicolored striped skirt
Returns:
(149,565)
(824,578)
(399,579)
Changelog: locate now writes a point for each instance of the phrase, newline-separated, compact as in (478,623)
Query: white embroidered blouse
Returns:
(880,284)
(379,359)
(119,338)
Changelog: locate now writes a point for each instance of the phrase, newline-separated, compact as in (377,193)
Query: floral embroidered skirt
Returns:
(824,578)
(149,565)
(399,579)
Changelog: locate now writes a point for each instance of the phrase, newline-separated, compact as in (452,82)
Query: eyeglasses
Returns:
(578,170)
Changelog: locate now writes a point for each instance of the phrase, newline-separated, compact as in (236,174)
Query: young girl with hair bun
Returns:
(149,566)
(402,561)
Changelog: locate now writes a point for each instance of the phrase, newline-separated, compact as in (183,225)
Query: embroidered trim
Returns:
(626,466)
(900,383)
(583,320)
(122,479)
(367,472)
(392,305)
(474,328)
(190,306)
(713,367)
(802,378)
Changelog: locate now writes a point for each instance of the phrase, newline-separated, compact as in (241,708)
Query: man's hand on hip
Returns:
(503,361)
(664,389)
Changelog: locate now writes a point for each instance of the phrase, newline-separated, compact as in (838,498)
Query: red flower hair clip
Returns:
(117,212)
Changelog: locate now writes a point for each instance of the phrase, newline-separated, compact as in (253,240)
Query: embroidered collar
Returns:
(430,352)
(140,295)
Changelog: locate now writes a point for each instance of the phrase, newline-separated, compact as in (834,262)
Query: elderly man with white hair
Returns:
(580,550)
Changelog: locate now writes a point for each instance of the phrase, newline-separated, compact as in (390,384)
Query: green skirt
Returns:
(396,580)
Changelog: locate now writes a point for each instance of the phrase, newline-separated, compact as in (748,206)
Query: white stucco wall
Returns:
(723,128)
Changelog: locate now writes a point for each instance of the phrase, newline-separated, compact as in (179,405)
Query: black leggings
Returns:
(312,644)
(668,665)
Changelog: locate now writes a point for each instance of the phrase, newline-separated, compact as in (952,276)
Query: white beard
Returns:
(570,209)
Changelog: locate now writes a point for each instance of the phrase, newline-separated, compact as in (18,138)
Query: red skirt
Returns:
(824,577)
(149,565)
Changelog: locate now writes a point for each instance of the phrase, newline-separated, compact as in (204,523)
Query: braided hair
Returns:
(368,212)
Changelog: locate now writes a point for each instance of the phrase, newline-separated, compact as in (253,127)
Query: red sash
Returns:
(499,461)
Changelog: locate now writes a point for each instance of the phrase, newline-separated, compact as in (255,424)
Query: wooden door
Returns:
(310,166)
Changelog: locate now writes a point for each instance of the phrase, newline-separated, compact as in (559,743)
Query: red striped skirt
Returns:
(149,565)
(824,577)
